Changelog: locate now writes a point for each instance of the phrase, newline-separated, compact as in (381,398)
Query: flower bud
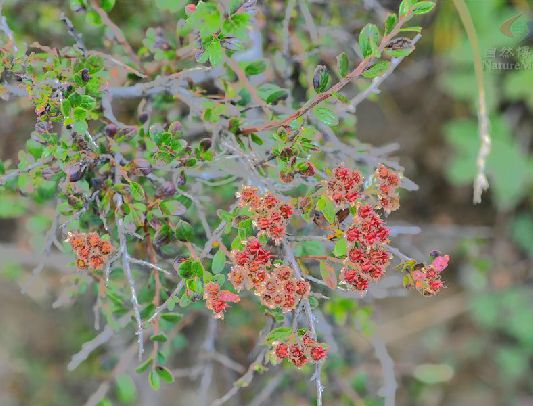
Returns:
(85,75)
(142,165)
(75,172)
(320,78)
(143,117)
(167,188)
(175,127)
(111,130)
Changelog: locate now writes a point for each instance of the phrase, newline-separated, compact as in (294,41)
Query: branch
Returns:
(332,90)
(480,182)
(74,34)
(88,347)
(377,81)
(117,33)
(245,380)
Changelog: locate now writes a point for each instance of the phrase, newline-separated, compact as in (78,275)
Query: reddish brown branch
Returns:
(320,97)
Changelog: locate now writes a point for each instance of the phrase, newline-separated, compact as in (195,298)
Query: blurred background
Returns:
(471,345)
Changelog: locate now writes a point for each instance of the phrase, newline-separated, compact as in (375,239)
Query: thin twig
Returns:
(320,97)
(480,181)
(117,33)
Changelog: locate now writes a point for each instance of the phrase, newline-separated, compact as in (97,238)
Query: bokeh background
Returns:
(471,345)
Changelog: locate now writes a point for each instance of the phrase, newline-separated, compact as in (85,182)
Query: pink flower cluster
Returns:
(388,182)
(276,286)
(367,257)
(301,350)
(427,279)
(344,186)
(217,300)
(270,215)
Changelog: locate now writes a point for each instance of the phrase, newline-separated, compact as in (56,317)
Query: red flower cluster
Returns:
(367,258)
(344,187)
(276,286)
(217,300)
(388,182)
(90,249)
(427,279)
(300,350)
(270,215)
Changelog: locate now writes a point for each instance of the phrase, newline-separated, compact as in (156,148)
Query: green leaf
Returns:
(215,52)
(236,25)
(164,374)
(378,69)
(368,40)
(400,53)
(423,7)
(172,207)
(405,7)
(341,248)
(143,366)
(279,334)
(390,22)
(191,268)
(256,139)
(160,338)
(107,5)
(327,207)
(343,64)
(219,260)
(255,68)
(171,317)
(325,115)
(411,29)
(271,93)
(137,191)
(126,391)
(153,379)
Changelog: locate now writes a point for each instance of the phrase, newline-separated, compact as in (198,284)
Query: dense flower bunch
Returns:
(91,250)
(270,215)
(344,187)
(276,285)
(300,350)
(367,256)
(217,300)
(388,182)
(427,278)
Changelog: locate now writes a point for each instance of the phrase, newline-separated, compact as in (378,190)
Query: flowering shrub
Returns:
(213,119)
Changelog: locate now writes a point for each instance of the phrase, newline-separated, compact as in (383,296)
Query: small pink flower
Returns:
(419,275)
(441,262)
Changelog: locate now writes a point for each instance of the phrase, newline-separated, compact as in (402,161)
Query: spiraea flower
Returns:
(276,285)
(344,187)
(217,300)
(367,257)
(300,350)
(427,279)
(388,182)
(91,251)
(270,215)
